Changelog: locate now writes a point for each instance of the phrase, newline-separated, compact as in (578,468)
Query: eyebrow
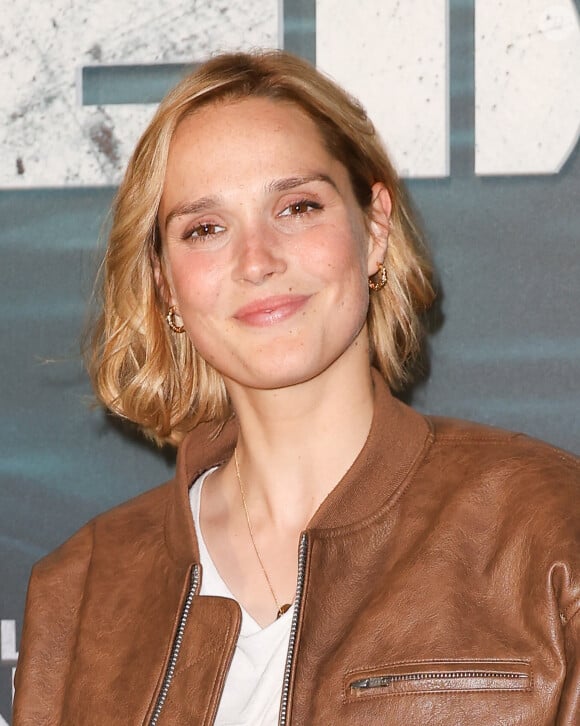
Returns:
(200,205)
(291,182)
(279,185)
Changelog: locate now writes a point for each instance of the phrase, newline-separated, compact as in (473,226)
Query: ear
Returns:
(161,281)
(379,226)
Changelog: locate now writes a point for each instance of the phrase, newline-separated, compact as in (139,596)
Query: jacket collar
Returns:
(397,439)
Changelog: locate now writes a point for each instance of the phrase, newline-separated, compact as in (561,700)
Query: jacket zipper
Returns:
(302,554)
(385,681)
(175,648)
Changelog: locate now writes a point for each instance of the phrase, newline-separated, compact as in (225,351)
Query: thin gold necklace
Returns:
(280,609)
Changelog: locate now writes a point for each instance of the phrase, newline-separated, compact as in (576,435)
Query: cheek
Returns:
(195,286)
(346,262)
(339,252)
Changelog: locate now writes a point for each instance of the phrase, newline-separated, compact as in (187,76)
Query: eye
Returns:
(299,208)
(203,231)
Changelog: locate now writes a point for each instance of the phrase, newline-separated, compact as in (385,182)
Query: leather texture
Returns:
(442,586)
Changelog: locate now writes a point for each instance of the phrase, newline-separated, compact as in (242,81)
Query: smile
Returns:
(270,310)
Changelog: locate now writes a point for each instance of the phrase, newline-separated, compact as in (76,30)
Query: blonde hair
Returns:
(145,373)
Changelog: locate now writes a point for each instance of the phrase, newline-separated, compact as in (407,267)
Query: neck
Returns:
(296,443)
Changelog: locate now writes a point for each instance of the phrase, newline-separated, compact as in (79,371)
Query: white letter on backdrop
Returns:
(527,72)
(393,56)
(47,138)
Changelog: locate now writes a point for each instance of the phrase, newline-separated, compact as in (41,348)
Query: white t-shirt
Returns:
(253,687)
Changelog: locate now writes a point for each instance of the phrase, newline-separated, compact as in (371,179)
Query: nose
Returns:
(258,255)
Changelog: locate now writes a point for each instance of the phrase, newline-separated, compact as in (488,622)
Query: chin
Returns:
(281,378)
(270,367)
(286,371)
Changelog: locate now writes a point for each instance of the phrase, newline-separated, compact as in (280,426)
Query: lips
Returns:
(270,310)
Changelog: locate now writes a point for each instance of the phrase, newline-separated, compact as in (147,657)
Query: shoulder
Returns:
(98,567)
(498,448)
(506,475)
(510,481)
(124,527)
(518,497)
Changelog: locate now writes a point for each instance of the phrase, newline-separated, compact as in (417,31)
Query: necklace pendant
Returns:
(283,609)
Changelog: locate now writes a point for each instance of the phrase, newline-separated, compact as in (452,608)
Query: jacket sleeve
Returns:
(53,604)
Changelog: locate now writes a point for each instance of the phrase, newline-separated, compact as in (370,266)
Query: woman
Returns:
(262,293)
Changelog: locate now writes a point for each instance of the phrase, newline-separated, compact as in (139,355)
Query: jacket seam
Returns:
(431,661)
(210,704)
(193,663)
(429,692)
(571,612)
(79,611)
(166,529)
(476,438)
(165,660)
(505,440)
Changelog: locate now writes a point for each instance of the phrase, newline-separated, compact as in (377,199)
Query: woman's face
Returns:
(265,251)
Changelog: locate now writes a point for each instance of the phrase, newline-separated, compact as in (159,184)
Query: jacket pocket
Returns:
(438,676)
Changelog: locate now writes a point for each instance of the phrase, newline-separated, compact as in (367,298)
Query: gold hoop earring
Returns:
(381,274)
(170,317)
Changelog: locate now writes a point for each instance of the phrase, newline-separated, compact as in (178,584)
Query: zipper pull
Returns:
(377,682)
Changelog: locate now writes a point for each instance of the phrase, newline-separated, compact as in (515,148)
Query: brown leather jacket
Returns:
(439,583)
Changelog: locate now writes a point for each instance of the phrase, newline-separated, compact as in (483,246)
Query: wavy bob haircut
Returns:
(144,372)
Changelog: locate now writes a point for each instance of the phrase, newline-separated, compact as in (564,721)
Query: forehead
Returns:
(223,120)
(229,143)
